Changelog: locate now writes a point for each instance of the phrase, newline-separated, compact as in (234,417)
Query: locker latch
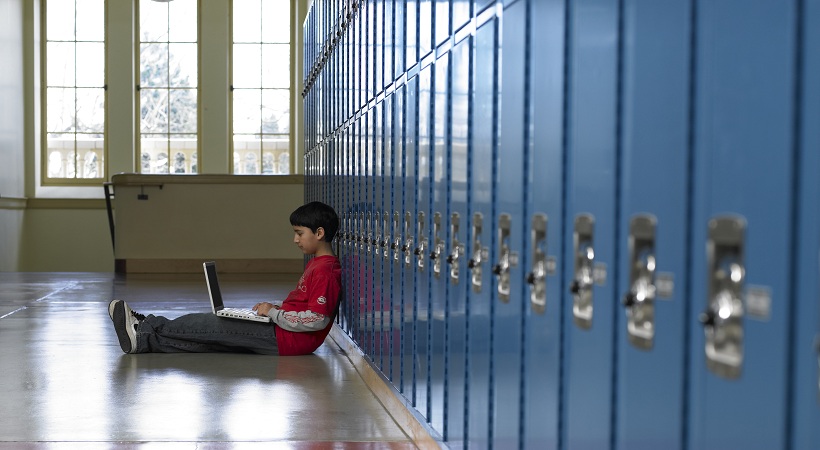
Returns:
(457,248)
(581,286)
(537,279)
(723,319)
(507,258)
(438,245)
(396,244)
(407,246)
(342,234)
(361,236)
(385,235)
(479,253)
(640,299)
(368,233)
(419,251)
(377,235)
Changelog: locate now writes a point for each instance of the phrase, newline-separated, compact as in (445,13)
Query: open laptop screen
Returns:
(213,286)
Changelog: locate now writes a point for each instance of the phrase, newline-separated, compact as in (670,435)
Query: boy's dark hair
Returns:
(315,215)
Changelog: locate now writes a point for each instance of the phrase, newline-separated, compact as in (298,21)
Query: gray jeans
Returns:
(205,333)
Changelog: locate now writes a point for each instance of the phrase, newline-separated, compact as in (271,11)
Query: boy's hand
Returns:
(263,308)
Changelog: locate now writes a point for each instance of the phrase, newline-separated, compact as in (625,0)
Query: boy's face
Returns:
(307,240)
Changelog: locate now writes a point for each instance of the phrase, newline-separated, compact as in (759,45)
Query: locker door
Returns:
(482,193)
(423,242)
(438,244)
(442,17)
(378,46)
(590,223)
(399,35)
(388,295)
(397,238)
(742,211)
(654,195)
(377,261)
(426,27)
(454,271)
(509,226)
(409,93)
(544,195)
(389,52)
(806,407)
(358,220)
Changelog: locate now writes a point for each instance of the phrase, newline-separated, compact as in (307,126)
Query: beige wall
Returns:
(44,228)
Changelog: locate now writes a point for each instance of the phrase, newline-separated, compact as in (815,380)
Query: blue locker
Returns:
(409,96)
(424,200)
(389,51)
(411,13)
(397,319)
(378,46)
(483,189)
(440,160)
(462,12)
(544,203)
(371,22)
(590,238)
(742,211)
(806,348)
(378,306)
(426,27)
(442,22)
(509,226)
(654,194)
(399,37)
(454,271)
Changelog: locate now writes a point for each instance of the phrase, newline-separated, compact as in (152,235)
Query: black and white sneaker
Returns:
(125,324)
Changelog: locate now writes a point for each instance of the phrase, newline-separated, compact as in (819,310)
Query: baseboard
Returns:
(410,421)
(180,266)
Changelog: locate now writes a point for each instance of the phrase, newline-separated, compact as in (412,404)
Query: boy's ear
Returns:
(320,233)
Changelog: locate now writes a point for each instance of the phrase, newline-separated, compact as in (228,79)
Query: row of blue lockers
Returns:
(579,224)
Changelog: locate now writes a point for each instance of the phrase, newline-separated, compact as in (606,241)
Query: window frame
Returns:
(45,179)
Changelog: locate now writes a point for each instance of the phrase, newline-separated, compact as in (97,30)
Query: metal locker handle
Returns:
(419,251)
(537,279)
(723,318)
(407,246)
(376,237)
(640,299)
(369,227)
(385,235)
(479,253)
(507,258)
(457,248)
(438,245)
(396,244)
(581,286)
(361,237)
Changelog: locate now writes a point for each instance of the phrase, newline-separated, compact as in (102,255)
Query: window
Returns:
(168,68)
(74,97)
(261,86)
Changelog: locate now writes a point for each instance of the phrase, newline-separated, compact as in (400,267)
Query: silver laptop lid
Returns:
(213,286)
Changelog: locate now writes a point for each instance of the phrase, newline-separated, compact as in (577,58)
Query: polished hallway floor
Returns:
(65,383)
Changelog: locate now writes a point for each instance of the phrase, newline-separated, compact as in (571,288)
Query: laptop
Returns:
(216,298)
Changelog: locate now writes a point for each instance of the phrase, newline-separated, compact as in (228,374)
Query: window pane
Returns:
(276,111)
(185,146)
(60,20)
(91,110)
(153,21)
(154,110)
(276,66)
(60,110)
(247,69)
(247,116)
(90,64)
(183,19)
(154,153)
(60,64)
(247,21)
(183,111)
(153,65)
(90,20)
(277,21)
(183,65)
(279,148)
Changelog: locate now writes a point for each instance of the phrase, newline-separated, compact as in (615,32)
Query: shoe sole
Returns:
(120,326)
